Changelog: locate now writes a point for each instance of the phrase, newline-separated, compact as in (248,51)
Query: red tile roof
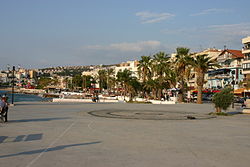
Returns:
(235,53)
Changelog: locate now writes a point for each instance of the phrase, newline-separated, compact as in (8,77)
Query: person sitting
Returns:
(4,109)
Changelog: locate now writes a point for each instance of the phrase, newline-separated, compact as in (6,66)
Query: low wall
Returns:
(161,102)
(83,100)
(106,101)
(31,91)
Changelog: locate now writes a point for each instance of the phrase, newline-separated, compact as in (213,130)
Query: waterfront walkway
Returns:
(58,135)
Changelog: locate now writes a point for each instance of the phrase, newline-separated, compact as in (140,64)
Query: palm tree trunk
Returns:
(181,93)
(154,94)
(218,109)
(199,95)
(180,97)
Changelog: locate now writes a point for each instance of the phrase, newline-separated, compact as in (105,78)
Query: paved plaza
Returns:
(122,135)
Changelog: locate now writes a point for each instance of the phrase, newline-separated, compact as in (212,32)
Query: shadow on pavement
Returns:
(39,119)
(20,138)
(48,149)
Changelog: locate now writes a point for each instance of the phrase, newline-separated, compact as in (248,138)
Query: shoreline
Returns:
(5,89)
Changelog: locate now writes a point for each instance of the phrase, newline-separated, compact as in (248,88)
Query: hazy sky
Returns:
(44,33)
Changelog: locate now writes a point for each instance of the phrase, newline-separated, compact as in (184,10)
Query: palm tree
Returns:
(201,64)
(124,77)
(161,66)
(110,79)
(133,87)
(171,78)
(182,68)
(152,86)
(102,74)
(144,68)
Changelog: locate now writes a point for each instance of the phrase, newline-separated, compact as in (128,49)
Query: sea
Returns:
(23,97)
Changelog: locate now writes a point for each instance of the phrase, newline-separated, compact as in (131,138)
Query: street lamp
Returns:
(13,82)
(233,83)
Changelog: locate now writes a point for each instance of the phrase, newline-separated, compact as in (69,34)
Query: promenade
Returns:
(135,135)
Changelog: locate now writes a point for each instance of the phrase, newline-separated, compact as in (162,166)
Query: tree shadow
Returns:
(57,148)
(38,119)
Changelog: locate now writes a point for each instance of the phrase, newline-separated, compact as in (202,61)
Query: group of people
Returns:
(4,109)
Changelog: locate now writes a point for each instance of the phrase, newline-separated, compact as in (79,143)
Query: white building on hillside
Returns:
(129,65)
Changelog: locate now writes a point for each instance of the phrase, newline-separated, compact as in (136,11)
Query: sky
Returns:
(46,33)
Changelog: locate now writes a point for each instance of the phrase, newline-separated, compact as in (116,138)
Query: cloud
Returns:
(210,11)
(241,29)
(127,47)
(149,17)
(210,36)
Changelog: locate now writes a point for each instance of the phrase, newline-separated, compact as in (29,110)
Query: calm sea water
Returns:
(23,97)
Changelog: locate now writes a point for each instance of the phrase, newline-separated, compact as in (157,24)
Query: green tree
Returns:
(201,64)
(182,68)
(102,77)
(124,78)
(223,99)
(46,81)
(110,79)
(144,68)
(133,87)
(152,86)
(87,81)
(171,78)
(77,81)
(161,68)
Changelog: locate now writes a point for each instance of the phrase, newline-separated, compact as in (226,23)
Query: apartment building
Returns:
(129,65)
(213,53)
(246,62)
(230,72)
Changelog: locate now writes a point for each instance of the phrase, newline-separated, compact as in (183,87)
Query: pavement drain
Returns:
(150,115)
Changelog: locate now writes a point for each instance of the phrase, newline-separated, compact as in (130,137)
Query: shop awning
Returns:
(239,91)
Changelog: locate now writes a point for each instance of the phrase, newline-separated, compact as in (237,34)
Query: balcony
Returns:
(222,76)
(246,71)
(246,58)
(245,51)
(246,40)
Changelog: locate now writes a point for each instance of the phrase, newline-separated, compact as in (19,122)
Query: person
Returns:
(244,104)
(167,97)
(97,97)
(93,98)
(4,109)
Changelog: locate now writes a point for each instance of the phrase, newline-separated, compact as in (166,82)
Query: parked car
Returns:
(239,99)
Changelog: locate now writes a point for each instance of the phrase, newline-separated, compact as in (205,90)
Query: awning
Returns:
(240,90)
(206,91)
(219,71)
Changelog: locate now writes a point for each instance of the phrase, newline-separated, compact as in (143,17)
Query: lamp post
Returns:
(233,83)
(13,79)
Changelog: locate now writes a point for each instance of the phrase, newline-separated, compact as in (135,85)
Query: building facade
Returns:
(230,72)
(213,54)
(246,62)
(129,65)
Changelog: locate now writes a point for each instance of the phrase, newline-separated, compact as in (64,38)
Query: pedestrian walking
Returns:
(4,109)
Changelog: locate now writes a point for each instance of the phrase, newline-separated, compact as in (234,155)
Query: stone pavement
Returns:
(58,135)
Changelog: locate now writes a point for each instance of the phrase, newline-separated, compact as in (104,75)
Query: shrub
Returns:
(223,99)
